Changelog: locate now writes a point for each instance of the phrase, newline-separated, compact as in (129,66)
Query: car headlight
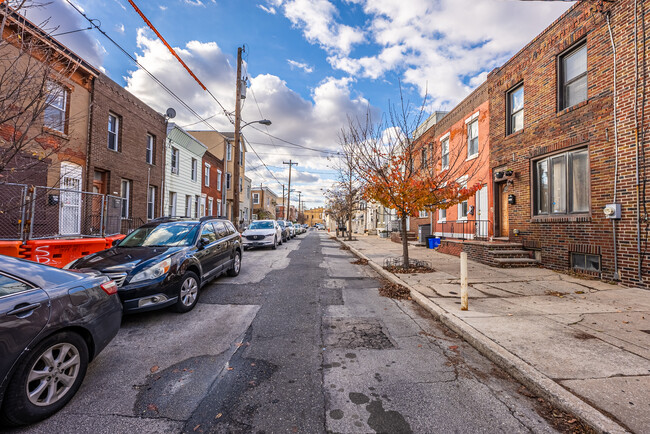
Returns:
(69,264)
(153,272)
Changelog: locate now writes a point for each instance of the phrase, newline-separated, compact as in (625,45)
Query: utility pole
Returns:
(235,181)
(290,163)
(282,201)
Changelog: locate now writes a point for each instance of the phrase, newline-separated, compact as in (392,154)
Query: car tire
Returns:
(275,243)
(188,292)
(63,349)
(236,265)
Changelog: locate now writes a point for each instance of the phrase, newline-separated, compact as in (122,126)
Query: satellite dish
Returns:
(171,113)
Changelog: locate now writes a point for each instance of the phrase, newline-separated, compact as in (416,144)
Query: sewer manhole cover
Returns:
(352,333)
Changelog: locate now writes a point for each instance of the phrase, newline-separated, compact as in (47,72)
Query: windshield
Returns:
(261,225)
(167,235)
(281,223)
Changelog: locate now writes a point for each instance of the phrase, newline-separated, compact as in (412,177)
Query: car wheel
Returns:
(46,380)
(275,243)
(188,293)
(236,265)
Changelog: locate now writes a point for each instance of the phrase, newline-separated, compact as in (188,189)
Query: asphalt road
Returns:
(301,341)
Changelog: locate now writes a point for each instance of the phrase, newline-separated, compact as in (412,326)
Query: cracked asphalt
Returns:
(301,341)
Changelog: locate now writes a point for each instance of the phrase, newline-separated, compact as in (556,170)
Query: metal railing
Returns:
(28,212)
(463,229)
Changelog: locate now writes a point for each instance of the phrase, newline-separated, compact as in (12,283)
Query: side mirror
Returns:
(204,242)
(115,242)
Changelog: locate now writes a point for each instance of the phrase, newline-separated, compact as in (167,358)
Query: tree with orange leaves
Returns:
(384,153)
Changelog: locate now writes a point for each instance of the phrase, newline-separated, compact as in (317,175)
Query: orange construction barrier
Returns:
(109,240)
(58,253)
(12,248)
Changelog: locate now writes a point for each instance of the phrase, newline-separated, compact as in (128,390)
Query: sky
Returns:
(310,64)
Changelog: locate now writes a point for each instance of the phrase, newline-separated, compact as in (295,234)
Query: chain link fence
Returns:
(47,212)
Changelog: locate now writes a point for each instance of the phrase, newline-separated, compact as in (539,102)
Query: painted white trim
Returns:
(473,117)
(445,136)
(472,157)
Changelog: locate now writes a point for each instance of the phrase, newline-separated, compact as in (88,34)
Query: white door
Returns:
(70,200)
(482,212)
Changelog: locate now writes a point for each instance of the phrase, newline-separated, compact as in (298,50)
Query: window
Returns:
(55,107)
(442,215)
(228,176)
(219,208)
(573,77)
(206,176)
(562,183)
(515,109)
(197,207)
(172,203)
(151,203)
(463,207)
(113,132)
(210,206)
(126,198)
(150,149)
(425,163)
(472,138)
(222,231)
(175,161)
(268,201)
(10,285)
(219,174)
(194,169)
(241,154)
(241,184)
(580,261)
(208,233)
(229,151)
(188,205)
(256,198)
(444,150)
(423,214)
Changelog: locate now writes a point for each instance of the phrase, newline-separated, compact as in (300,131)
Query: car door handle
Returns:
(24,309)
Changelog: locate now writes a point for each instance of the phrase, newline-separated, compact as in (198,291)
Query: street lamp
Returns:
(238,154)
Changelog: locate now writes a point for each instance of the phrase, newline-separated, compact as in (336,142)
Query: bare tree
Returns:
(347,189)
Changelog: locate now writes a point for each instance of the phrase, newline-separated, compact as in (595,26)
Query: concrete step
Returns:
(515,262)
(510,253)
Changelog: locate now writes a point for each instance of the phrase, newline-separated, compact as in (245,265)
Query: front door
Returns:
(70,201)
(99,187)
(504,223)
(482,212)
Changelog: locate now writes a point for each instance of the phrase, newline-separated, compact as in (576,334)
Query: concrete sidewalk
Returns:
(584,344)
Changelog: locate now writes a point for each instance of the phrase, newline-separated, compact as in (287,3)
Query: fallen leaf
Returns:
(154,368)
(572,421)
(197,427)
(252,364)
(152,407)
(218,415)
(453,347)
(625,322)
(580,292)
(230,369)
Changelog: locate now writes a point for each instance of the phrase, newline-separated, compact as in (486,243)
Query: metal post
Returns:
(101,217)
(31,217)
(464,301)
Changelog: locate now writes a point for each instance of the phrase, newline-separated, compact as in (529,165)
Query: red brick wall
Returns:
(216,164)
(589,124)
(136,121)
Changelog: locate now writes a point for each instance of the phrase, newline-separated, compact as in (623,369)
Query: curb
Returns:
(526,374)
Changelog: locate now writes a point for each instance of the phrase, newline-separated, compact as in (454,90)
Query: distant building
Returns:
(264,201)
(314,215)
(212,186)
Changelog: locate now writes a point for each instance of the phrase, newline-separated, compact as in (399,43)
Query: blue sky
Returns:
(310,63)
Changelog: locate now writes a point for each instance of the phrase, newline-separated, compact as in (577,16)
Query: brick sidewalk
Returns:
(590,337)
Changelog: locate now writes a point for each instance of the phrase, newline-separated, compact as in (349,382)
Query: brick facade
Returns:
(588,125)
(215,188)
(107,168)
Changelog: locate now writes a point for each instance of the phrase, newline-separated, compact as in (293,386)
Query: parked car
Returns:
(167,261)
(262,233)
(292,230)
(286,234)
(321,227)
(53,322)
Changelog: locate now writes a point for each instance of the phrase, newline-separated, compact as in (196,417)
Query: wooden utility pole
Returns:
(290,163)
(235,182)
(276,217)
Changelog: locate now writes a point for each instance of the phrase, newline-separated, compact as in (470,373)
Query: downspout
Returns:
(636,140)
(611,38)
(89,134)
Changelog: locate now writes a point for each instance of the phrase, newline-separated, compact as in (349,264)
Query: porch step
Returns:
(411,236)
(515,262)
(518,253)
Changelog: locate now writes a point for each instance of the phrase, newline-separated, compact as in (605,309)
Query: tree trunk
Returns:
(350,227)
(405,242)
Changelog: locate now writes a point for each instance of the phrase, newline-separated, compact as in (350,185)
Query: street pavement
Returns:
(587,342)
(301,341)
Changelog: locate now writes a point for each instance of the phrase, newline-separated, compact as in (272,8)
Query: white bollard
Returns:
(464,301)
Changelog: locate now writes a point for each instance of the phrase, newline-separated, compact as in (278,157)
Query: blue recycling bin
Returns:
(433,242)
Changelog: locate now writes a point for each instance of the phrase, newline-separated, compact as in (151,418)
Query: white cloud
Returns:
(120,28)
(162,8)
(269,10)
(300,65)
(194,2)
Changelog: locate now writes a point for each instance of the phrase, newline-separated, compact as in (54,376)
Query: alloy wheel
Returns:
(189,291)
(53,374)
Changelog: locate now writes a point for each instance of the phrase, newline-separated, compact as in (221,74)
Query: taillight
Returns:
(109,287)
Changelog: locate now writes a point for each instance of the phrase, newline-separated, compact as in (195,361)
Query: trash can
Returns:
(433,242)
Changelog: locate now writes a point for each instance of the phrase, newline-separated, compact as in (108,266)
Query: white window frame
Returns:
(442,215)
(510,109)
(115,133)
(229,151)
(241,154)
(256,198)
(149,156)
(423,214)
(444,151)
(228,180)
(56,105)
(193,173)
(197,206)
(468,123)
(188,205)
(206,175)
(175,160)
(173,199)
(125,194)
(219,208)
(151,202)
(210,206)
(464,204)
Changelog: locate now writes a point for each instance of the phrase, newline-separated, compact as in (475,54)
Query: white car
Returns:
(292,230)
(262,233)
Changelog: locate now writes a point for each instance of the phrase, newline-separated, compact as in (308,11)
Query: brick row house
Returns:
(264,203)
(212,188)
(566,171)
